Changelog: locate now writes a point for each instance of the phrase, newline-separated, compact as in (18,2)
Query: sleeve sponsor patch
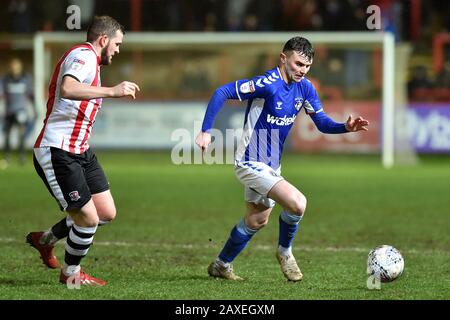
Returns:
(309,108)
(247,87)
(77,64)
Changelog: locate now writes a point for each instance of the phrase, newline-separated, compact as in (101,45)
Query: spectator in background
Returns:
(337,15)
(210,22)
(17,90)
(300,15)
(206,15)
(19,12)
(443,78)
(419,80)
(235,12)
(53,15)
(334,71)
(260,15)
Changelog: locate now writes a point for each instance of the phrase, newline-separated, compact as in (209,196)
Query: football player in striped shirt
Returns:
(62,157)
(274,101)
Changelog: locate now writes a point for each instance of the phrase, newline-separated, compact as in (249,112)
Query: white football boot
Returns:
(289,267)
(218,270)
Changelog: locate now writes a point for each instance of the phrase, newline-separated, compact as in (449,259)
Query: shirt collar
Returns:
(93,49)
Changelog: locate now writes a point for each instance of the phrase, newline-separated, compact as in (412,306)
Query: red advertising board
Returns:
(306,137)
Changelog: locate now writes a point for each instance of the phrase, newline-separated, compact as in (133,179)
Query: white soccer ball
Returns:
(385,263)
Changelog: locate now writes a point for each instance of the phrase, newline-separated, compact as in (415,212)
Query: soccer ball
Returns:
(385,263)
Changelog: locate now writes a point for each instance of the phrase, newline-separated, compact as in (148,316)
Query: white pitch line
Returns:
(216,246)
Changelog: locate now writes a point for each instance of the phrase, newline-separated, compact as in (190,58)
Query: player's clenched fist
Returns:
(125,88)
(203,140)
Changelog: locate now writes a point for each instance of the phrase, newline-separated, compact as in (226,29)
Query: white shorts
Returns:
(258,179)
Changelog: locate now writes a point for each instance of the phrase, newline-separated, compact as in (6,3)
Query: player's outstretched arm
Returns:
(327,125)
(358,124)
(241,89)
(74,90)
(216,102)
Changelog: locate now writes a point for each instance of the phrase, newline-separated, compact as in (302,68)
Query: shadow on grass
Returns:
(24,282)
(176,278)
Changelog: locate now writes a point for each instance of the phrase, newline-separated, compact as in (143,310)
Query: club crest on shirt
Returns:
(247,87)
(77,64)
(298,103)
(74,196)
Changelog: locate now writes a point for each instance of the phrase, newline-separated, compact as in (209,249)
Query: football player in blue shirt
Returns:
(274,101)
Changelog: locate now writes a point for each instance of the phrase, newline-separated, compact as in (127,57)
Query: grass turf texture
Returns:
(173,220)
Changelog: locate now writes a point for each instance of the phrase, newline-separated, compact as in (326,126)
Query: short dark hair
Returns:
(300,45)
(103,25)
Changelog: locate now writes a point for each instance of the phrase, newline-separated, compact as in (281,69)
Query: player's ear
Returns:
(283,57)
(103,40)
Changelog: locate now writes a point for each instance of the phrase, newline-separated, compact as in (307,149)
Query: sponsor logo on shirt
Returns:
(247,87)
(284,121)
(77,64)
(78,61)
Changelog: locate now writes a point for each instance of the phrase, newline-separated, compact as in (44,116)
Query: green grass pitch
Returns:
(173,220)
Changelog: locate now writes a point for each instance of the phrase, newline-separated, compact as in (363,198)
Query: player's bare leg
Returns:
(79,240)
(104,204)
(44,241)
(294,205)
(256,217)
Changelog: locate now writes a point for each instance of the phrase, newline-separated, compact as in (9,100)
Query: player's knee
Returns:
(87,220)
(257,226)
(113,214)
(85,217)
(298,205)
(110,215)
(261,224)
(256,223)
(107,214)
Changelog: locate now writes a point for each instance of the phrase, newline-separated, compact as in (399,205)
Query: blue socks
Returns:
(239,237)
(288,228)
